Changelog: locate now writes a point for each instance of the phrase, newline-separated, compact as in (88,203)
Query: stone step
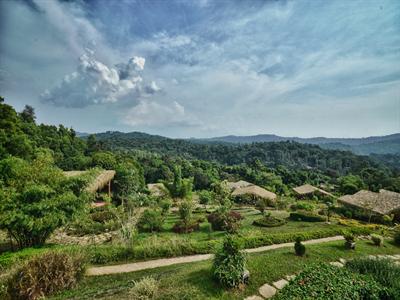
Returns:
(267,291)
(280,284)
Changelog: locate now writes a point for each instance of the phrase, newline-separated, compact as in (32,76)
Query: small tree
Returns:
(229,263)
(185,212)
(261,205)
(205,197)
(35,199)
(299,248)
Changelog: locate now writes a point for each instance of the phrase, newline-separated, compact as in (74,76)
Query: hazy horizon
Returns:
(205,68)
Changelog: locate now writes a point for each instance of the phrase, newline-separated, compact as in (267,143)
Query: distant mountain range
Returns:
(388,144)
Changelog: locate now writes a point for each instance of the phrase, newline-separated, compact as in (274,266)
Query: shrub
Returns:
(269,221)
(383,271)
(151,220)
(229,263)
(349,241)
(396,237)
(303,205)
(165,206)
(299,247)
(323,281)
(145,289)
(46,274)
(182,227)
(306,217)
(225,220)
(185,213)
(377,239)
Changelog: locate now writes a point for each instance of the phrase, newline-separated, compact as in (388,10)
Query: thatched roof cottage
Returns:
(102,179)
(309,190)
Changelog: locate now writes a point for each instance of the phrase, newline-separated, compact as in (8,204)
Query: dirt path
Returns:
(151,264)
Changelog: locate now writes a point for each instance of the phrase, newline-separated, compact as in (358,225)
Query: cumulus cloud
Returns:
(95,83)
(152,113)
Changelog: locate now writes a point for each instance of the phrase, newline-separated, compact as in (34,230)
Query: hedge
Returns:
(306,216)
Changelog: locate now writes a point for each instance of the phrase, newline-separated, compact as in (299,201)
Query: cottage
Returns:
(308,190)
(238,184)
(250,194)
(380,204)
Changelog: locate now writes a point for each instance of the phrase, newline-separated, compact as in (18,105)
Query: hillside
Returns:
(389,144)
(285,153)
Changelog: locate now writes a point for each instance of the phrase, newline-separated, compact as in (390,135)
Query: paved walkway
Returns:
(151,264)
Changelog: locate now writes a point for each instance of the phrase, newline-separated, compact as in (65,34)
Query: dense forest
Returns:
(277,166)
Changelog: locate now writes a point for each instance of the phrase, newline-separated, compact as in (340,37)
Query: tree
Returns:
(185,213)
(105,160)
(128,180)
(350,184)
(180,188)
(34,199)
(205,197)
(28,114)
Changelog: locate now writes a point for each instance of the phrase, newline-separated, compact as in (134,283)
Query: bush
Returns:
(182,227)
(303,205)
(383,271)
(185,213)
(151,220)
(396,237)
(145,289)
(45,275)
(306,216)
(229,263)
(225,220)
(323,281)
(349,241)
(299,248)
(269,221)
(377,239)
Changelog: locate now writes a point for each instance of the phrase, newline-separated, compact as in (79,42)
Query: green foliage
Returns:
(303,205)
(205,197)
(128,180)
(185,212)
(223,219)
(151,220)
(350,240)
(299,247)
(105,160)
(377,240)
(180,188)
(46,274)
(229,263)
(165,206)
(145,289)
(383,271)
(306,216)
(323,281)
(35,199)
(396,237)
(269,221)
(262,205)
(350,184)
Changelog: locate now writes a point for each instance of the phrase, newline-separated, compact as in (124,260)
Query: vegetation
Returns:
(299,248)
(377,239)
(44,275)
(323,281)
(229,263)
(145,289)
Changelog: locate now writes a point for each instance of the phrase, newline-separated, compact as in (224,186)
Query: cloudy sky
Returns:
(198,68)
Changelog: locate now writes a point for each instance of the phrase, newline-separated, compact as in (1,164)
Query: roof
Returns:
(99,182)
(383,203)
(238,184)
(309,189)
(254,190)
(157,189)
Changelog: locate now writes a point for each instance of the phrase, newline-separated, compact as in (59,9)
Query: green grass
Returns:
(194,281)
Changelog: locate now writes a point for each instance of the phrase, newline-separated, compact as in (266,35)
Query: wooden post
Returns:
(109,188)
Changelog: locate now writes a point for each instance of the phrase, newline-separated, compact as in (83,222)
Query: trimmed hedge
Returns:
(306,216)
(269,222)
(104,254)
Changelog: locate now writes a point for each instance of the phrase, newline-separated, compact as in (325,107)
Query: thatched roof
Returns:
(157,189)
(238,184)
(98,183)
(382,203)
(307,189)
(254,190)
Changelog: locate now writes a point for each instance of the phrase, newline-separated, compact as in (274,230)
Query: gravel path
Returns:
(132,267)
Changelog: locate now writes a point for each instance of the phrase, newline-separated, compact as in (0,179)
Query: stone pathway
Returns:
(151,264)
(268,291)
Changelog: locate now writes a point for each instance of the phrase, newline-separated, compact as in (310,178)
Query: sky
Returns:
(204,68)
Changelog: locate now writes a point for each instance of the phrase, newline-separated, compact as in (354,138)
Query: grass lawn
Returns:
(194,281)
(247,229)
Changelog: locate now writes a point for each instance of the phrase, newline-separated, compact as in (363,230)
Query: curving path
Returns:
(151,264)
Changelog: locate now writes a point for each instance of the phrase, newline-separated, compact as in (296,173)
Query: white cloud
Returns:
(152,113)
(95,83)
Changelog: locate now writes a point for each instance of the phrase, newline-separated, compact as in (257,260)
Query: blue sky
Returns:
(205,68)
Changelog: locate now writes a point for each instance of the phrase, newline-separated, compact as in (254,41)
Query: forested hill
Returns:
(288,154)
(389,144)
